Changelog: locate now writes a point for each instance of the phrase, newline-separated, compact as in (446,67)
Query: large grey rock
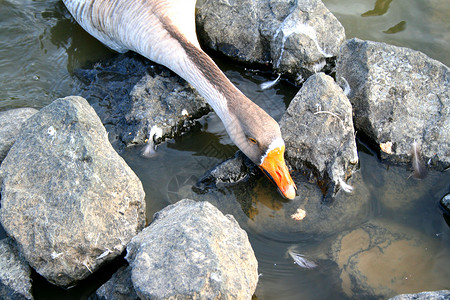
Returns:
(435,295)
(295,36)
(191,250)
(131,95)
(15,282)
(318,131)
(399,96)
(68,199)
(381,259)
(10,124)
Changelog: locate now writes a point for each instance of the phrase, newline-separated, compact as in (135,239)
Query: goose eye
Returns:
(252,140)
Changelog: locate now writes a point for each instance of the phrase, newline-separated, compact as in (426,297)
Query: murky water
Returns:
(40,46)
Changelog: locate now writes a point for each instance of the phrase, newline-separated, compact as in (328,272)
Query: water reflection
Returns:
(396,28)
(381,7)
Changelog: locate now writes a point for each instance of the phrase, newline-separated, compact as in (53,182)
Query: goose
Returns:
(164,32)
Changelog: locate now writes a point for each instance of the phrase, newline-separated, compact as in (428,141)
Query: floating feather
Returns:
(419,169)
(301,261)
(150,148)
(345,187)
(269,84)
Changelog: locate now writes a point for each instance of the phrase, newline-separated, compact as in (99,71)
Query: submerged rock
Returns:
(236,169)
(15,282)
(256,204)
(68,199)
(381,259)
(318,131)
(435,295)
(10,124)
(191,250)
(399,96)
(132,94)
(295,36)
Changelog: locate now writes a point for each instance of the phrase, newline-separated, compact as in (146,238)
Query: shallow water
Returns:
(40,46)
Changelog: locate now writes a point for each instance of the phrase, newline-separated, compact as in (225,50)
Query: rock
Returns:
(399,96)
(295,36)
(191,250)
(435,295)
(381,259)
(10,124)
(68,199)
(236,169)
(15,282)
(119,287)
(318,132)
(131,95)
(445,202)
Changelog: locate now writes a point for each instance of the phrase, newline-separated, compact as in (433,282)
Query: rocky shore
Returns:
(70,204)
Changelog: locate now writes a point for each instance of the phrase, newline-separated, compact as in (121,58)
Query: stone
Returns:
(296,37)
(435,295)
(10,124)
(119,287)
(191,250)
(132,94)
(231,171)
(15,282)
(68,199)
(399,96)
(318,132)
(381,259)
(445,203)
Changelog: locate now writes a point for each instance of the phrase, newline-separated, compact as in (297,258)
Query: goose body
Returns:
(164,32)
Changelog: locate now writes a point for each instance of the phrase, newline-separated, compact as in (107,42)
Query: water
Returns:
(40,46)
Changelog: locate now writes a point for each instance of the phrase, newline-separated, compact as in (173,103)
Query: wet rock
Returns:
(236,169)
(68,199)
(191,250)
(15,282)
(399,96)
(119,287)
(10,124)
(295,36)
(131,95)
(318,132)
(435,295)
(445,202)
(381,259)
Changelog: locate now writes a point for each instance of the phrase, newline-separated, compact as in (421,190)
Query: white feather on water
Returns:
(268,84)
(300,260)
(150,149)
(345,187)
(419,168)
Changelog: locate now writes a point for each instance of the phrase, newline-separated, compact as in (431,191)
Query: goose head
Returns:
(258,136)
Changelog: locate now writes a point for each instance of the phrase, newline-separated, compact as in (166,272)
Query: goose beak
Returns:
(274,166)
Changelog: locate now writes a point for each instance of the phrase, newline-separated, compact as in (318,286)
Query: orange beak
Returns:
(275,168)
